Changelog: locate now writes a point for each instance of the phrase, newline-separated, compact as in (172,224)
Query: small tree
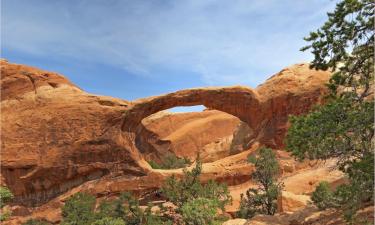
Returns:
(344,127)
(184,193)
(264,198)
(200,211)
(79,210)
(189,187)
(5,197)
(323,196)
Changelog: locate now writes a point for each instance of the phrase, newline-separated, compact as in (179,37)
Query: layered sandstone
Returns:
(56,137)
(211,133)
(265,109)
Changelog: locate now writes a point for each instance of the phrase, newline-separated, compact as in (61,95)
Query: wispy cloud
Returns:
(225,42)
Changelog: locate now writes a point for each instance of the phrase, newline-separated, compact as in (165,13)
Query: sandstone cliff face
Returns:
(292,91)
(56,136)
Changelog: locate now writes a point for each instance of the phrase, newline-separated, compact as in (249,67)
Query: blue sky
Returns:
(139,48)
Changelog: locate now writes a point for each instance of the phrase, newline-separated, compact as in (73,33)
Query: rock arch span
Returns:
(238,101)
(265,109)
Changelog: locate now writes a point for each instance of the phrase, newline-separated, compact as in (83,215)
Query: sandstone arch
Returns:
(87,137)
(238,101)
(265,109)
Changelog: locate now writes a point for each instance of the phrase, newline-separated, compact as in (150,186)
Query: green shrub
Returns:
(323,196)
(79,209)
(154,165)
(200,211)
(109,221)
(5,214)
(35,222)
(189,192)
(127,208)
(189,187)
(5,196)
(264,198)
(196,203)
(170,161)
(344,127)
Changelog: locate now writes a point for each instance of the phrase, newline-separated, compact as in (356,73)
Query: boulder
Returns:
(289,202)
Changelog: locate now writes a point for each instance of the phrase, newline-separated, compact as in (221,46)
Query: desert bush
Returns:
(189,187)
(35,222)
(170,161)
(323,196)
(5,197)
(196,203)
(263,199)
(109,221)
(200,211)
(79,210)
(188,192)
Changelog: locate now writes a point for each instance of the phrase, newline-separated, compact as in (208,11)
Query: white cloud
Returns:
(226,42)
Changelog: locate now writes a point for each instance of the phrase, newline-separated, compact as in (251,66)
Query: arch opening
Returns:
(177,136)
(187,109)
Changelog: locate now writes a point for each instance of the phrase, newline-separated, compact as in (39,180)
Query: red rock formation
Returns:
(266,109)
(186,134)
(56,137)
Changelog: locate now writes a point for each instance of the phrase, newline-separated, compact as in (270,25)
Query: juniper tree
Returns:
(263,198)
(343,128)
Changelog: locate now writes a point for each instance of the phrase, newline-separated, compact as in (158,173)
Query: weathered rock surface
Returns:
(59,139)
(55,136)
(290,202)
(310,215)
(265,109)
(212,133)
(235,222)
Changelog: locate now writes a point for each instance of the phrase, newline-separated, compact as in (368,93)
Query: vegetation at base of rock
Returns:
(35,222)
(170,161)
(5,197)
(109,221)
(344,127)
(180,192)
(5,214)
(196,203)
(322,196)
(200,211)
(79,209)
(262,200)
(338,129)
